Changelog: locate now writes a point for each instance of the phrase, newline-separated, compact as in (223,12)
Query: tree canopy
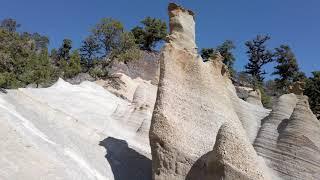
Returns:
(312,90)
(9,24)
(225,49)
(259,56)
(152,31)
(287,67)
(107,33)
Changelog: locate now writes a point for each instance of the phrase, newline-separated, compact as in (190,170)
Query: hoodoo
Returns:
(195,100)
(289,139)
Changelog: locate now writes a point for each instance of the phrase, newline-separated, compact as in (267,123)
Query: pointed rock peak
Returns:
(182,28)
(174,7)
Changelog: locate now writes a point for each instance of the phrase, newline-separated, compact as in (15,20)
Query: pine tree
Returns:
(40,68)
(225,50)
(258,57)
(153,31)
(127,50)
(107,33)
(72,67)
(287,67)
(312,90)
(64,50)
(9,24)
(89,49)
(207,53)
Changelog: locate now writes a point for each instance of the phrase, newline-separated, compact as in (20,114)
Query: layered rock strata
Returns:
(289,139)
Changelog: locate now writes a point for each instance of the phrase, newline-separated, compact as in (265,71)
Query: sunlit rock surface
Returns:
(194,100)
(76,132)
(289,139)
(200,128)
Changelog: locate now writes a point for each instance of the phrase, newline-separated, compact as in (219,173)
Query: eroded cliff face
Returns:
(195,99)
(289,139)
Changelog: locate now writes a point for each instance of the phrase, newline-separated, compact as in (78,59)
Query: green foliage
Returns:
(89,50)
(108,42)
(15,52)
(312,90)
(126,50)
(258,57)
(207,53)
(107,33)
(64,51)
(299,76)
(41,42)
(153,31)
(54,56)
(99,69)
(225,49)
(71,67)
(21,62)
(139,35)
(40,69)
(287,68)
(265,98)
(9,24)
(24,56)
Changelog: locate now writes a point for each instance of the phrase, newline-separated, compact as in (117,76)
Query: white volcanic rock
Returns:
(249,95)
(231,157)
(250,116)
(289,139)
(255,97)
(194,100)
(75,132)
(182,28)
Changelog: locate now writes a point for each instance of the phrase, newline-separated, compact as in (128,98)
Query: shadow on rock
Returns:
(126,163)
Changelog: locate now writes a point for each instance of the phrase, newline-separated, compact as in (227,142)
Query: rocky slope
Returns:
(147,67)
(76,132)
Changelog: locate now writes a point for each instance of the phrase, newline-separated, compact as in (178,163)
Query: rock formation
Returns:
(182,28)
(255,97)
(297,88)
(289,139)
(194,100)
(249,95)
(147,67)
(199,127)
(80,131)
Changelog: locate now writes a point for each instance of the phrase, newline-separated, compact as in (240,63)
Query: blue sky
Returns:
(292,22)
